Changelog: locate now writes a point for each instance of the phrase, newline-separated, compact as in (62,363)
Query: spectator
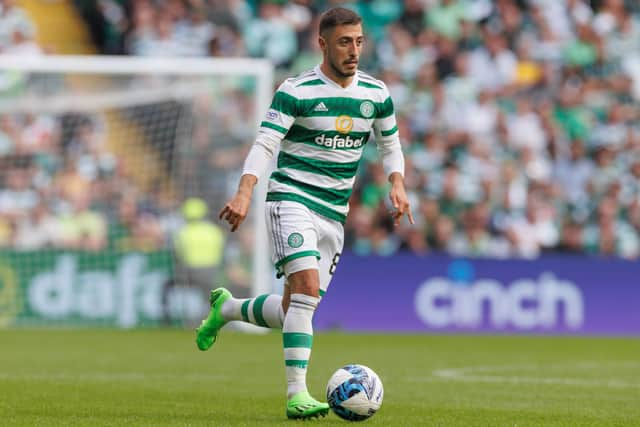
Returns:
(83,228)
(198,248)
(13,20)
(412,18)
(572,173)
(9,135)
(534,231)
(22,43)
(611,234)
(270,35)
(493,65)
(475,240)
(194,34)
(445,18)
(17,197)
(39,229)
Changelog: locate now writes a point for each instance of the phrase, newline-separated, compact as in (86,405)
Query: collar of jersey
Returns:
(328,81)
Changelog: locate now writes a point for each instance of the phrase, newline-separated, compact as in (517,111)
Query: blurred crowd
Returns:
(61,186)
(518,118)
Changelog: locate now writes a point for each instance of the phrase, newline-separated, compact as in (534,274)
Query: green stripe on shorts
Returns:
(297,255)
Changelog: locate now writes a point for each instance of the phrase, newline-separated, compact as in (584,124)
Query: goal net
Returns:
(97,158)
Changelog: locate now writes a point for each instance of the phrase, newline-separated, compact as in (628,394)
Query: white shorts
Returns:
(296,232)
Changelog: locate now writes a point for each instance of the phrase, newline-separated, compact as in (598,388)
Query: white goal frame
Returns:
(261,69)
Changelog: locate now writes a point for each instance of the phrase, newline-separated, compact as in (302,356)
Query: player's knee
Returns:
(304,301)
(306,284)
(302,276)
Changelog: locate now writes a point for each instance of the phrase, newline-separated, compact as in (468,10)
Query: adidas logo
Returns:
(321,107)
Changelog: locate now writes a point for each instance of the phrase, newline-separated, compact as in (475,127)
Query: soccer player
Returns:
(321,121)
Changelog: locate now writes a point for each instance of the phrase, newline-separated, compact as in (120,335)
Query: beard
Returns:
(338,71)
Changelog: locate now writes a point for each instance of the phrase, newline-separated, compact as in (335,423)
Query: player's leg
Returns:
(283,220)
(295,244)
(330,244)
(297,328)
(264,310)
(308,279)
(297,336)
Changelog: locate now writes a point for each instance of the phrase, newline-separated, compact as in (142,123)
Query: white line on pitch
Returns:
(469,374)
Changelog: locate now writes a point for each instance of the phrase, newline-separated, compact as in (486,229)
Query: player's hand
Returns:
(400,202)
(235,211)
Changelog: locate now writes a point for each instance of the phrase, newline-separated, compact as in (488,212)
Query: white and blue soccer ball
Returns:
(355,392)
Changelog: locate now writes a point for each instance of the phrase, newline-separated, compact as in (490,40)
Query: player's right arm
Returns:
(274,127)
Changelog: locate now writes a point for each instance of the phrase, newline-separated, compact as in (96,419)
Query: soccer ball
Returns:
(354,392)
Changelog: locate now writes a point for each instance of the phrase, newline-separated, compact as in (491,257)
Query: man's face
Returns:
(342,46)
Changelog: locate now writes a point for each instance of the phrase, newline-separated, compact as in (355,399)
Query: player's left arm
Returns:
(388,144)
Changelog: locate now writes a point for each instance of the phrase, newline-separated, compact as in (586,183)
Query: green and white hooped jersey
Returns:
(321,129)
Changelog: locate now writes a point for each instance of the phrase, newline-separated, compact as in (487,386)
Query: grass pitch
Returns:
(159,378)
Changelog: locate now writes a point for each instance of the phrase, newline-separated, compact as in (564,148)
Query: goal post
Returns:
(143,133)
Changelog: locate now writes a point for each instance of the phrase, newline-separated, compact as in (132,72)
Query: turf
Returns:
(159,378)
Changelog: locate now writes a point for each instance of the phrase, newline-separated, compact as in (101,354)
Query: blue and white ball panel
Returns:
(355,392)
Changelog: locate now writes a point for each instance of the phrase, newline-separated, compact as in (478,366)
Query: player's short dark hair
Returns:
(338,16)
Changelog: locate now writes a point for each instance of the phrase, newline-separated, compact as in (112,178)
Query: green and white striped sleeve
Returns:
(277,122)
(282,111)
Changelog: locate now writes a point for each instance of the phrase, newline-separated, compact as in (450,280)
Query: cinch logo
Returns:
(338,141)
(523,304)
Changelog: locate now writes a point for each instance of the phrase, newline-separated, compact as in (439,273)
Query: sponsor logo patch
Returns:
(339,142)
(344,124)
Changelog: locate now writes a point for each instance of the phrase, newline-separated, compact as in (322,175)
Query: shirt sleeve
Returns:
(387,138)
(277,122)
